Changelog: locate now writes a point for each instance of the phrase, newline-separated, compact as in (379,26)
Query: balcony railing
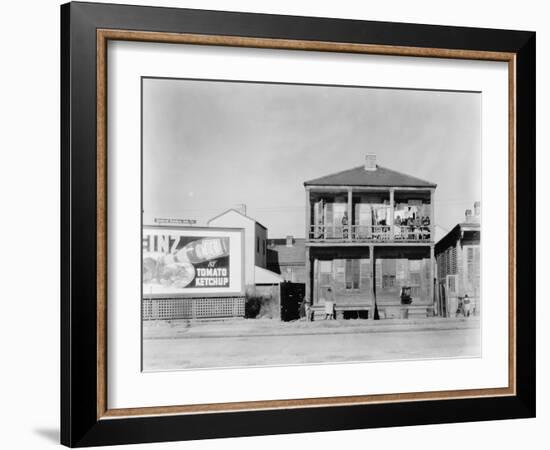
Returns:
(369,233)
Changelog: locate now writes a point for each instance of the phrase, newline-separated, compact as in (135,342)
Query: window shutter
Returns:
(356,273)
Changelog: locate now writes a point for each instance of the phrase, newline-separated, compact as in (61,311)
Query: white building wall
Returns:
(233,219)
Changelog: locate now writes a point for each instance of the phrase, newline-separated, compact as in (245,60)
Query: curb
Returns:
(354,329)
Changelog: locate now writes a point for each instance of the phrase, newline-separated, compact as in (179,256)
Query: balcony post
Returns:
(392,212)
(350,208)
(432,274)
(309,278)
(308,215)
(432,215)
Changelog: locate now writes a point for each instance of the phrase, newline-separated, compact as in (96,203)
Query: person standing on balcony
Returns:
(321,228)
(425,227)
(397,227)
(345,230)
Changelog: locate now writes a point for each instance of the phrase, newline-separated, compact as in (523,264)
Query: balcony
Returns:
(362,214)
(369,233)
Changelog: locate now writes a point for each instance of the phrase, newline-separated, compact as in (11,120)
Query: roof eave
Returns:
(238,212)
(428,186)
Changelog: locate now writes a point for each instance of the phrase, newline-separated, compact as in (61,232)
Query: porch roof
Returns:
(382,177)
(264,276)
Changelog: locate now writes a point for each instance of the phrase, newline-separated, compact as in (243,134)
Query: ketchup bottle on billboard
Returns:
(204,250)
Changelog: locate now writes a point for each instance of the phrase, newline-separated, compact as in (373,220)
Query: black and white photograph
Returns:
(290,224)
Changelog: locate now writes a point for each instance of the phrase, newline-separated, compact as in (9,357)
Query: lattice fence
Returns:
(192,308)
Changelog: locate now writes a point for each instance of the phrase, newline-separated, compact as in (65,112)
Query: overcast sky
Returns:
(209,145)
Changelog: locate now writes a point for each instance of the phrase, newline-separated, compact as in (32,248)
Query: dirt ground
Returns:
(237,343)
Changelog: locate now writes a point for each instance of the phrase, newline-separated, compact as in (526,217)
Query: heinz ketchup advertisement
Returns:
(183,260)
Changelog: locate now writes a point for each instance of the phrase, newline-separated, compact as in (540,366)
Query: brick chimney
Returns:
(477,209)
(241,207)
(289,241)
(468,214)
(370,161)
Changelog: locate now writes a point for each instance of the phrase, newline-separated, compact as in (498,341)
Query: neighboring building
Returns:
(255,241)
(459,263)
(287,257)
(370,232)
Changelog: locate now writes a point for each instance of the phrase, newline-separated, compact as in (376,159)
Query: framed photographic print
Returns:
(277,224)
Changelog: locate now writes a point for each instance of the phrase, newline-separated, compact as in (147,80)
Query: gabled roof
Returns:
(238,212)
(358,176)
(468,232)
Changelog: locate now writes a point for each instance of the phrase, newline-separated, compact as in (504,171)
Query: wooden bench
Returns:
(389,311)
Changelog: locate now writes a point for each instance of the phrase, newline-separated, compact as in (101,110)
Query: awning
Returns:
(264,276)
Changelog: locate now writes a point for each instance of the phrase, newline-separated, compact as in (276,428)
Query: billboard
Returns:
(192,261)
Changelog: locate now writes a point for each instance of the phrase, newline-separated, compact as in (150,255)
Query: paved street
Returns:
(326,343)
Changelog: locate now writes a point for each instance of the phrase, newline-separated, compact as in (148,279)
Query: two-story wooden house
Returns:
(370,233)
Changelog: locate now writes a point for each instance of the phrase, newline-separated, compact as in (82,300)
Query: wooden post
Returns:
(432,264)
(392,212)
(373,282)
(350,207)
(315,282)
(308,278)
(432,215)
(308,215)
